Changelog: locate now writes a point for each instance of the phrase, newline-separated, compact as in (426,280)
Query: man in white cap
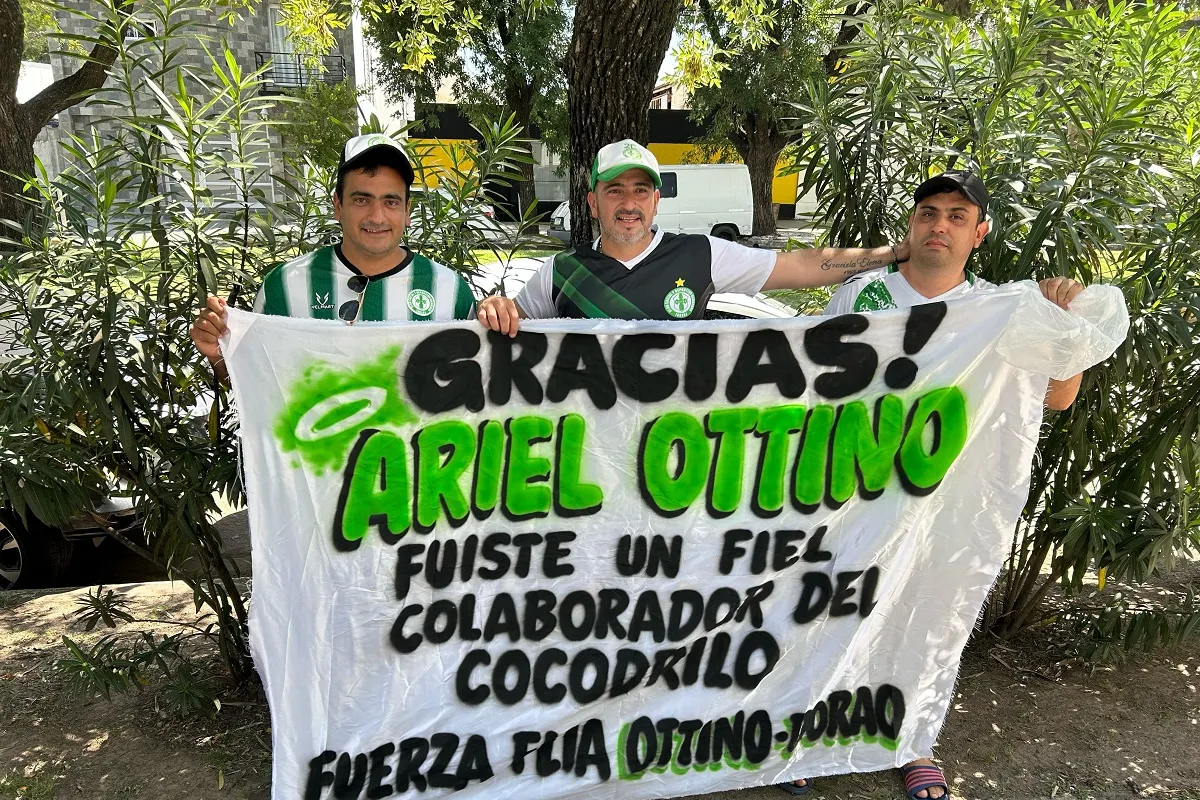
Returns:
(632,272)
(366,276)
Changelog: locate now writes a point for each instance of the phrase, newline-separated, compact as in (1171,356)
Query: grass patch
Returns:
(37,787)
(490,257)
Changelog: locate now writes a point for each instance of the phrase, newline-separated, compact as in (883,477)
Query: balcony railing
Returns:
(294,70)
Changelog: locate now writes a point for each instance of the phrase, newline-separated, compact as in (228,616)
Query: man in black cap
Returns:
(368,275)
(948,221)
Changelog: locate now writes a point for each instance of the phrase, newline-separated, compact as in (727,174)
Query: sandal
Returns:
(791,788)
(918,777)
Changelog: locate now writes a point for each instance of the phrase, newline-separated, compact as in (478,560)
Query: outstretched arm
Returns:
(825,266)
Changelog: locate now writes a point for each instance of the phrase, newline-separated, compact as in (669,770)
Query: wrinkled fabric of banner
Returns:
(632,560)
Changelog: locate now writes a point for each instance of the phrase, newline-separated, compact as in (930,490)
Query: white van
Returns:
(696,198)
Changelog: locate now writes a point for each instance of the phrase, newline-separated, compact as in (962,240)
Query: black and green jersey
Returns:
(315,286)
(673,282)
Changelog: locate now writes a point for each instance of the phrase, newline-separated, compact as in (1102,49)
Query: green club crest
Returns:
(632,151)
(420,302)
(680,302)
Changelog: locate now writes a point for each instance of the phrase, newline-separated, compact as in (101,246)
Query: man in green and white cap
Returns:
(632,272)
(368,275)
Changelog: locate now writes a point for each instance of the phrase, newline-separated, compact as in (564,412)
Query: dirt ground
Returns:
(1029,721)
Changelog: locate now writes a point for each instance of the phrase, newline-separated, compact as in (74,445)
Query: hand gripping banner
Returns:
(632,560)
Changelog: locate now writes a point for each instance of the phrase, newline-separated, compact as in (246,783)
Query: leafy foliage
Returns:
(318,123)
(311,23)
(448,222)
(39,26)
(504,59)
(424,35)
(1083,124)
(177,194)
(116,665)
(1122,626)
(101,670)
(102,606)
(776,44)
(744,78)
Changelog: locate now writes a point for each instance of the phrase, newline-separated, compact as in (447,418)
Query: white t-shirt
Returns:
(734,268)
(887,287)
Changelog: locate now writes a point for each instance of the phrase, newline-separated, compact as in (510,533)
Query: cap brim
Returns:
(382,154)
(613,172)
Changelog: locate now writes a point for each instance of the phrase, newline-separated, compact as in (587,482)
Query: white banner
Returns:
(632,560)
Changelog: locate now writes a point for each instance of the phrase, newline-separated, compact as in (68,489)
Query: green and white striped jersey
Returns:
(315,285)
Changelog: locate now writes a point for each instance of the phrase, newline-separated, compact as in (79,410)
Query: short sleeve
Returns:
(843,299)
(535,299)
(271,297)
(737,268)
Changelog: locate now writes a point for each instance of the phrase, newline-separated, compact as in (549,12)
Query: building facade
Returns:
(257,41)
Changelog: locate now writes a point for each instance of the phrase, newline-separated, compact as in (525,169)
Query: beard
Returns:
(936,258)
(618,235)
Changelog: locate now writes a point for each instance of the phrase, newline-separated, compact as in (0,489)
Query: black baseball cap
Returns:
(373,149)
(957,181)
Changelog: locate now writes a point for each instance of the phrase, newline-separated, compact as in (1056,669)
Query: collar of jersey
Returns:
(345,262)
(640,257)
(970,275)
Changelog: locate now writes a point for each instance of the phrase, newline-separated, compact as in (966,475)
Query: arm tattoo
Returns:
(850,266)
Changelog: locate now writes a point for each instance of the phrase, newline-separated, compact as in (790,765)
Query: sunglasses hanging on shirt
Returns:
(351,309)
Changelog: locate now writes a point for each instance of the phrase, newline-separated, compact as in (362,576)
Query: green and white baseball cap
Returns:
(615,158)
(373,149)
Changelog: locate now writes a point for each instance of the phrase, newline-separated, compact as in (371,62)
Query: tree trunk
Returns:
(519,97)
(20,122)
(847,32)
(16,146)
(16,160)
(759,142)
(612,66)
(762,184)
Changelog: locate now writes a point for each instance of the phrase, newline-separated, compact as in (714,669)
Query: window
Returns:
(138,29)
(280,43)
(670,184)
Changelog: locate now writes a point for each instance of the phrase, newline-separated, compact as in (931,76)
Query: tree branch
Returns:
(502,29)
(80,84)
(845,35)
(714,27)
(775,27)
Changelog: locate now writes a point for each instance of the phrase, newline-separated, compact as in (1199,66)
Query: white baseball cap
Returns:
(371,149)
(615,158)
